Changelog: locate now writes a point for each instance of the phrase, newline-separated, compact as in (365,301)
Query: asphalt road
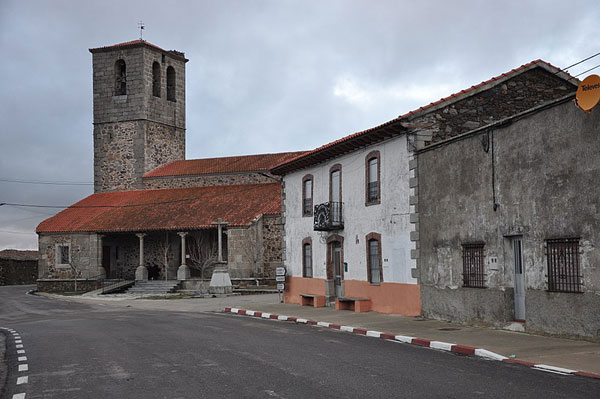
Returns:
(77,350)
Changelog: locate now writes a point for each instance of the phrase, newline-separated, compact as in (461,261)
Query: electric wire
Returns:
(591,69)
(55,183)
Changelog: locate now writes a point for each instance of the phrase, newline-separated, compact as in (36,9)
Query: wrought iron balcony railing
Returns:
(328,216)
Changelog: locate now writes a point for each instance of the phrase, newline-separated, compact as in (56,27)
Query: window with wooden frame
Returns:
(335,193)
(473,271)
(564,269)
(372,178)
(374,266)
(307,270)
(307,195)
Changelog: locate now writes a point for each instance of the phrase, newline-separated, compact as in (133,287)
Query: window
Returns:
(307,194)
(171,83)
(120,78)
(564,273)
(372,179)
(156,79)
(374,269)
(62,255)
(335,194)
(307,258)
(473,266)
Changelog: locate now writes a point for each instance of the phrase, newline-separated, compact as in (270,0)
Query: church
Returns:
(154,214)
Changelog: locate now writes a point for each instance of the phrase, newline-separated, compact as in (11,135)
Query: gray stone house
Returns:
(509,224)
(151,208)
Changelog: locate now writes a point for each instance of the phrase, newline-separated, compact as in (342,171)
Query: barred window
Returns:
(372,178)
(307,193)
(374,270)
(307,259)
(473,275)
(564,271)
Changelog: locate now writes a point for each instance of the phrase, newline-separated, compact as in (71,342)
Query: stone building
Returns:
(352,208)
(151,209)
(18,267)
(510,231)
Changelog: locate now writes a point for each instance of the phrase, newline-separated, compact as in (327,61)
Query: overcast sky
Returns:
(263,76)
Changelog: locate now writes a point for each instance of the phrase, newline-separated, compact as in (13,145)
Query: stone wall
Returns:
(228,179)
(84,251)
(67,285)
(272,230)
(541,170)
(14,272)
(522,92)
(244,257)
(163,144)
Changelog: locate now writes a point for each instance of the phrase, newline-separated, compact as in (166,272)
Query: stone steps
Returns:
(154,287)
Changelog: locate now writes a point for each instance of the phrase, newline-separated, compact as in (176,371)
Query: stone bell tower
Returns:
(139,112)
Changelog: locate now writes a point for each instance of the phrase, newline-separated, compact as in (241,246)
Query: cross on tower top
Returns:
(141,26)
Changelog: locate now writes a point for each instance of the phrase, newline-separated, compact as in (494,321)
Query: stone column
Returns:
(183,273)
(220,283)
(141,273)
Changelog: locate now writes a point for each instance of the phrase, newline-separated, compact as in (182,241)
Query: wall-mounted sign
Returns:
(280,279)
(280,287)
(280,271)
(588,93)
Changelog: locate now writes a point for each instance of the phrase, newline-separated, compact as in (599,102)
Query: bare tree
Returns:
(203,251)
(165,247)
(252,248)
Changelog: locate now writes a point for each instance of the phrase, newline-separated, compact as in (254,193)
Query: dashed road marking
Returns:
(23,367)
(19,396)
(19,346)
(22,380)
(20,351)
(22,358)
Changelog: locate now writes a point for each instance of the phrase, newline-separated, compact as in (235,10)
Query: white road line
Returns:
(404,338)
(445,346)
(19,396)
(20,346)
(555,369)
(18,341)
(23,367)
(22,380)
(20,351)
(489,355)
(22,358)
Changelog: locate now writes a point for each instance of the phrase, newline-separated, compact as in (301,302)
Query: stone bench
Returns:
(317,301)
(355,304)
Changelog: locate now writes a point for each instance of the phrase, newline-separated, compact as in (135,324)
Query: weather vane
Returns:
(141,26)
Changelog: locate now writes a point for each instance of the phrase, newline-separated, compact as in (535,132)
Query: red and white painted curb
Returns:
(23,367)
(445,346)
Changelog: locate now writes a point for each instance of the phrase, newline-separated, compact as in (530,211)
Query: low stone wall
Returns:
(16,272)
(468,305)
(564,314)
(67,285)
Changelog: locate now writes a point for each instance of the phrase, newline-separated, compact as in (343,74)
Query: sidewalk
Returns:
(566,353)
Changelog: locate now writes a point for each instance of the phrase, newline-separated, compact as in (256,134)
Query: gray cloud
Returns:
(263,76)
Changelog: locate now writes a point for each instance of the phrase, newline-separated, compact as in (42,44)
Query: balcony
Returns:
(328,216)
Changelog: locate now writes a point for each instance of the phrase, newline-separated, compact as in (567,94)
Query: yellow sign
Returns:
(588,93)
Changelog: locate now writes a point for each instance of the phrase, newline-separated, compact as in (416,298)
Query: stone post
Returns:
(99,256)
(183,272)
(141,273)
(220,283)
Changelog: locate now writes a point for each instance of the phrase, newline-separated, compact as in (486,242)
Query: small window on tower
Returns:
(120,78)
(156,79)
(171,83)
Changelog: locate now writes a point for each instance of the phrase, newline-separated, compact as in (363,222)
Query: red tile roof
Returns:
(387,129)
(16,254)
(136,43)
(168,209)
(245,163)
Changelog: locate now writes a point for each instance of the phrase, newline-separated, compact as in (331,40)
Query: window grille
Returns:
(473,275)
(307,253)
(564,270)
(374,262)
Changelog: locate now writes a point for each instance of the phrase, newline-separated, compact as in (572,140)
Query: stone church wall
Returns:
(228,179)
(163,144)
(84,251)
